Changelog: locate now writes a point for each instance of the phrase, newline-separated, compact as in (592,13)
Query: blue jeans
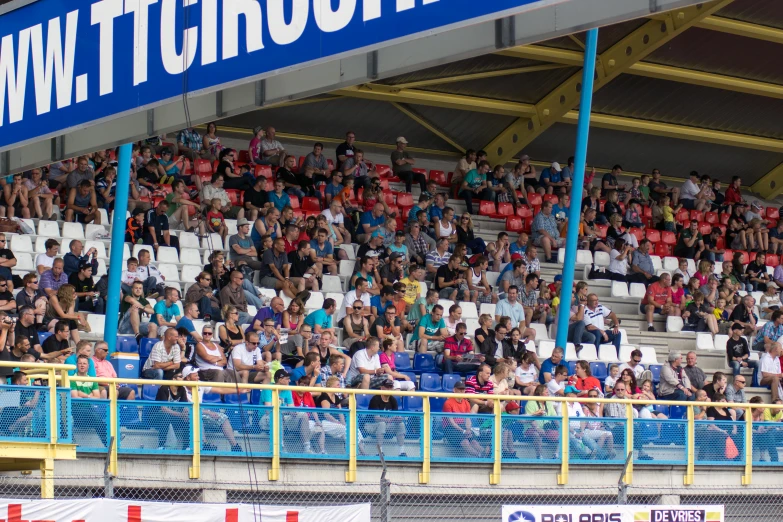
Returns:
(678,395)
(205,307)
(295,192)
(599,338)
(736,366)
(251,294)
(577,334)
(153,373)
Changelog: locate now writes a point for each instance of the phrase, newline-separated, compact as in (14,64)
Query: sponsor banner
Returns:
(66,63)
(106,510)
(613,514)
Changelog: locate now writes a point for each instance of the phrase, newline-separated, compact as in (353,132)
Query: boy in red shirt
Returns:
(658,300)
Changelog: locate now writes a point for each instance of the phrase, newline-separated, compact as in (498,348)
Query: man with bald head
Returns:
(272,151)
(371,221)
(274,311)
(769,364)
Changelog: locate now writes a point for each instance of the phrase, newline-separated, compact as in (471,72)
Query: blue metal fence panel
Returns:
(660,441)
(248,426)
(65,415)
(91,424)
(25,414)
(303,432)
(767,439)
(593,441)
(399,434)
(161,428)
(716,443)
(458,437)
(531,439)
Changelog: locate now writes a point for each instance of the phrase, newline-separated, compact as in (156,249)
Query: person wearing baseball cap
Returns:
(552,178)
(402,166)
(396,425)
(460,428)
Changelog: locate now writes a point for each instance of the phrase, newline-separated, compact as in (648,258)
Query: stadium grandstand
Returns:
(346,283)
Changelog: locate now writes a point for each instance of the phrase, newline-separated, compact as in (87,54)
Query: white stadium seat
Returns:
(468,310)
(316,301)
(346,267)
(588,352)
(545,349)
(720,342)
(331,284)
(24,261)
(337,296)
(570,353)
(674,324)
(670,263)
(138,248)
(189,256)
(48,228)
(488,308)
(648,355)
(656,262)
(607,353)
(601,258)
(704,341)
(541,332)
(190,273)
(167,255)
(492,278)
(97,323)
(20,243)
(73,231)
(619,289)
(625,352)
(638,290)
(99,246)
(188,240)
(169,272)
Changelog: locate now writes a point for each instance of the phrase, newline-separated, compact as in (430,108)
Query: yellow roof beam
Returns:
(478,76)
(739,28)
(770,185)
(386,93)
(611,63)
(429,126)
(661,72)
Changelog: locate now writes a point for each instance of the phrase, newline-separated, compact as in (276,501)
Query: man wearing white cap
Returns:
(402,166)
(552,178)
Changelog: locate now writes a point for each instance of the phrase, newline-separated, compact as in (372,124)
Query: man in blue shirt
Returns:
(282,378)
(436,210)
(274,311)
(551,178)
(379,303)
(424,202)
(334,188)
(311,368)
(370,221)
(321,320)
(548,366)
(166,312)
(431,331)
(278,197)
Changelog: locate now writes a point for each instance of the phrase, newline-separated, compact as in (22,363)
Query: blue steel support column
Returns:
(580,160)
(117,247)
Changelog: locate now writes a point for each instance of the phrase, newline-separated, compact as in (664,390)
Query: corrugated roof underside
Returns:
(479,64)
(722,53)
(641,153)
(762,12)
(472,130)
(692,105)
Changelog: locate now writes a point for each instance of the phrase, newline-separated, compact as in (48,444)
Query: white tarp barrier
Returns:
(613,514)
(106,510)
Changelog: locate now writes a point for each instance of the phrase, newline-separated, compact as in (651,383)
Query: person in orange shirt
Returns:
(458,428)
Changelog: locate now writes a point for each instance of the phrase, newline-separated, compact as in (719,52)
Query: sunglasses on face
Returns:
(252,342)
(206,333)
(358,307)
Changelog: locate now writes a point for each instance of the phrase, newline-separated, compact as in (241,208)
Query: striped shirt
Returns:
(434,259)
(596,317)
(472,386)
(159,354)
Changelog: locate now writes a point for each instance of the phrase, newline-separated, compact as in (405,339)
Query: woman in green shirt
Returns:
(542,431)
(83,410)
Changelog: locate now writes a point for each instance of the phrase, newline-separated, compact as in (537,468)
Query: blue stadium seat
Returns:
(127,344)
(362,401)
(402,361)
(430,382)
(663,408)
(42,336)
(571,367)
(149,391)
(412,404)
(255,397)
(145,347)
(409,375)
(655,369)
(423,362)
(233,398)
(678,412)
(133,387)
(449,380)
(212,397)
(436,403)
(598,369)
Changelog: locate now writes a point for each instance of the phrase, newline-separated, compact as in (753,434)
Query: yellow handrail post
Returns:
(562,477)
(195,470)
(424,476)
(350,475)
(629,442)
(748,476)
(54,425)
(691,443)
(47,478)
(494,478)
(65,379)
(274,471)
(114,428)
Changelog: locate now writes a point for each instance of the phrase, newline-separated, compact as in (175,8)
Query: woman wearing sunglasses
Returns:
(210,359)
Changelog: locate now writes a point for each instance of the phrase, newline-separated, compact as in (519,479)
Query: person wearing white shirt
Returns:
(248,361)
(594,322)
(634,365)
(366,371)
(360,293)
(618,259)
(334,216)
(769,365)
(692,197)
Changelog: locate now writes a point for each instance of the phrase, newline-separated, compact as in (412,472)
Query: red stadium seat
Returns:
(751,257)
(663,250)
(382,170)
(486,208)
(705,228)
(773,260)
(638,233)
(215,166)
(720,244)
(439,177)
(551,198)
(683,216)
(722,229)
(711,217)
(653,235)
(294,201)
(188,170)
(423,172)
(524,211)
(514,224)
(621,205)
(668,238)
(601,203)
(311,204)
(647,212)
(698,215)
(505,209)
(270,185)
(244,156)
(264,170)
(534,199)
(405,199)
(330,163)
(202,165)
(389,198)
(301,161)
(601,230)
(385,184)
(235,196)
(205,177)
(724,218)
(773,213)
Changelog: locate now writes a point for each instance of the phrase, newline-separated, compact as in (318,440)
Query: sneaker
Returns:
(650,328)
(303,296)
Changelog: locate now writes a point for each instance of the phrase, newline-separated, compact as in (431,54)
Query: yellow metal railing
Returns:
(50,371)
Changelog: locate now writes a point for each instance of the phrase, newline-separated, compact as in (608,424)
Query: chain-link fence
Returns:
(395,501)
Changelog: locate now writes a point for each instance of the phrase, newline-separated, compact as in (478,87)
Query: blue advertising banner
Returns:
(68,63)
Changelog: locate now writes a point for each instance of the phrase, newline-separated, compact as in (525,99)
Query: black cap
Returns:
(737,326)
(84,265)
(388,383)
(398,234)
(137,211)
(280,374)
(396,255)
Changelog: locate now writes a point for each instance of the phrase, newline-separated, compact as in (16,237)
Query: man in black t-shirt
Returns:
(255,199)
(291,181)
(87,301)
(737,351)
(345,150)
(448,279)
(57,347)
(7,301)
(386,423)
(156,227)
(373,247)
(302,264)
(689,244)
(7,259)
(25,328)
(388,325)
